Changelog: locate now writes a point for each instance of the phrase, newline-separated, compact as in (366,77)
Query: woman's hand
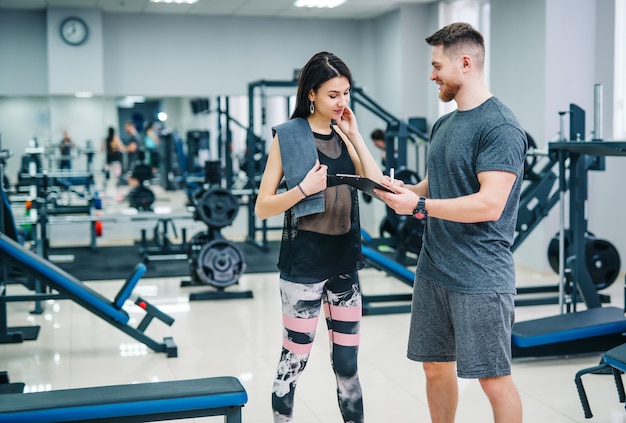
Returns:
(347,122)
(315,180)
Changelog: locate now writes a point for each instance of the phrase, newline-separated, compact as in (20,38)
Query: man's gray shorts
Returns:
(472,329)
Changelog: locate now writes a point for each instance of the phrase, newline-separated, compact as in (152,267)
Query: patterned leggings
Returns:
(341,296)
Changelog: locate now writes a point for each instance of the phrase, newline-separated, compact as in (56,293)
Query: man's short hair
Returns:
(460,38)
(378,134)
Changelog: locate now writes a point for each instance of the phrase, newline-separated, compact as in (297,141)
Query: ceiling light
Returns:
(175,1)
(129,101)
(83,94)
(136,98)
(318,3)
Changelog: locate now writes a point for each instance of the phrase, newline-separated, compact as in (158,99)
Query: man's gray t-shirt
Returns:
(472,257)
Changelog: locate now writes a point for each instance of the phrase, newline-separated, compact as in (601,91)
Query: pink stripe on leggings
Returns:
(296,348)
(346,314)
(345,339)
(300,325)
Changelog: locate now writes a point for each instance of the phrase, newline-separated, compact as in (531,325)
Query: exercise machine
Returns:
(385,303)
(538,197)
(68,287)
(12,253)
(21,236)
(214,260)
(596,328)
(398,134)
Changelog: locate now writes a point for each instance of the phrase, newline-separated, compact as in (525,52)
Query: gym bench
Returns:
(614,360)
(381,262)
(71,288)
(138,402)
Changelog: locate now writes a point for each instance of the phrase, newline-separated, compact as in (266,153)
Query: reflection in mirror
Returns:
(223,122)
(22,119)
(81,120)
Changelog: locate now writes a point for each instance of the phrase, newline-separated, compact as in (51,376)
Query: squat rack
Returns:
(596,328)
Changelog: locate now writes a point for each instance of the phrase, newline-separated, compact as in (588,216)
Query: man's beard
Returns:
(448,93)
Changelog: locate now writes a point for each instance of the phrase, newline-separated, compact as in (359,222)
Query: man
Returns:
(463,307)
(65,149)
(133,144)
(378,138)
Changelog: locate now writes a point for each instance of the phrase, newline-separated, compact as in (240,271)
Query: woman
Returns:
(114,154)
(320,251)
(151,142)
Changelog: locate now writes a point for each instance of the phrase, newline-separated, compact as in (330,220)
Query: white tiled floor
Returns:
(242,338)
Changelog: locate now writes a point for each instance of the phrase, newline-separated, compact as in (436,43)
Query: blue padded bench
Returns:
(139,402)
(70,287)
(384,263)
(569,327)
(59,279)
(381,262)
(614,360)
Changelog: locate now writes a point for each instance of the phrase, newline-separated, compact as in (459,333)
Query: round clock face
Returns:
(74,31)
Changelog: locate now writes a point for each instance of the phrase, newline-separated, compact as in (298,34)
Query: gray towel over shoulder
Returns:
(299,152)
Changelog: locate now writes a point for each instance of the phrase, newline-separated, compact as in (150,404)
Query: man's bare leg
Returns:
(504,398)
(442,391)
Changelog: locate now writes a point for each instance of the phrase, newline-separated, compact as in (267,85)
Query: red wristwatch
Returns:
(420,210)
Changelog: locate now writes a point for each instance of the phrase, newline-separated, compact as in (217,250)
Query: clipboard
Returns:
(360,182)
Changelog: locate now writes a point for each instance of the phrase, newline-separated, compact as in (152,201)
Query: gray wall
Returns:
(23,48)
(518,33)
(193,56)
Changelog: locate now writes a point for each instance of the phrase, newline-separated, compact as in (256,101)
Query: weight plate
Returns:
(141,198)
(217,207)
(194,246)
(407,176)
(601,258)
(220,263)
(410,234)
(603,262)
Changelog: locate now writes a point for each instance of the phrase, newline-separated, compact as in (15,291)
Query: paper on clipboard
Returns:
(360,182)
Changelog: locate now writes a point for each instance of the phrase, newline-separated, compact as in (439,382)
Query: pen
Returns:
(391,172)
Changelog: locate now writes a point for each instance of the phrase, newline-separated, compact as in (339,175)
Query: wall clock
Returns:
(74,31)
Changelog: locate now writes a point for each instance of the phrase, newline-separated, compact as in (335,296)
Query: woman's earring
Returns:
(312,108)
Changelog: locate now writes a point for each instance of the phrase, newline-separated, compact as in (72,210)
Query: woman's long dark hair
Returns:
(319,69)
(110,134)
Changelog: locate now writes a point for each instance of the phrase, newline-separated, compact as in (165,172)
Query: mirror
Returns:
(224,120)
